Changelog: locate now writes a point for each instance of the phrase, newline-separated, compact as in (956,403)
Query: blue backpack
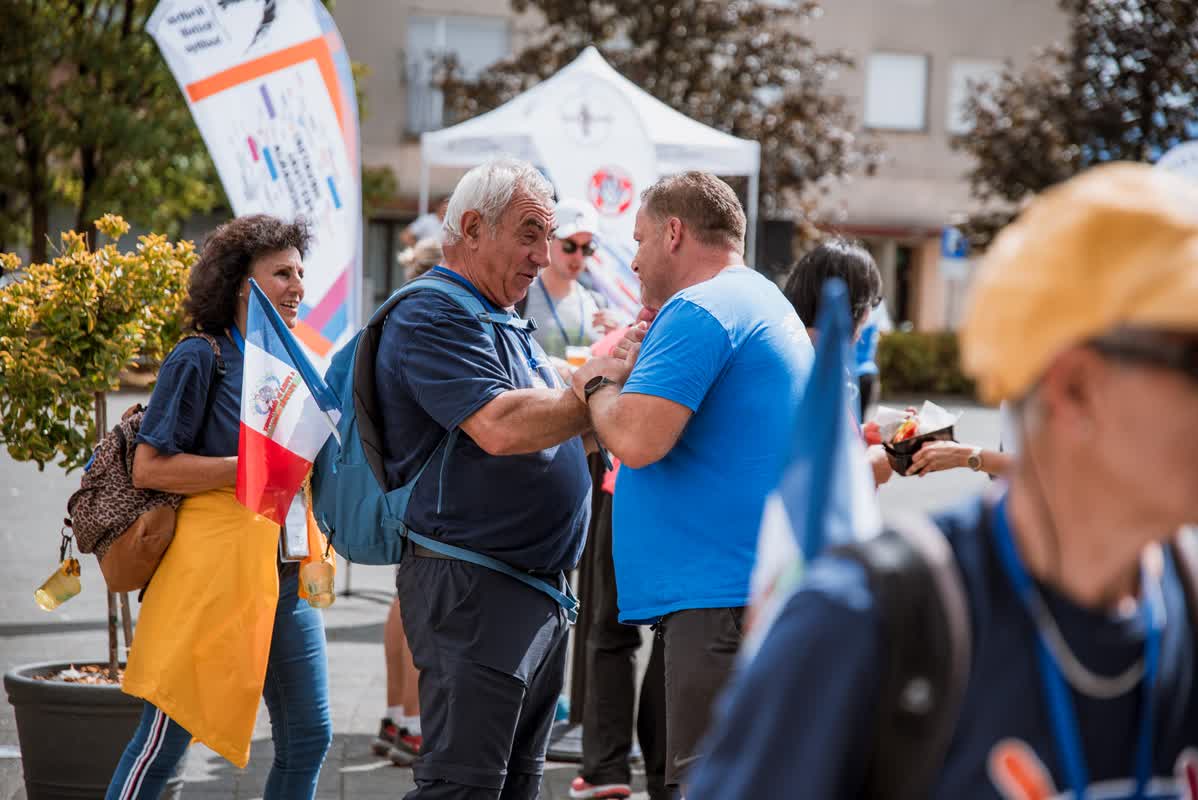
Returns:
(364,521)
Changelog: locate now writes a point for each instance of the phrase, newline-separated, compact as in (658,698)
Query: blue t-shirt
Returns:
(174,421)
(798,721)
(866,352)
(734,352)
(435,367)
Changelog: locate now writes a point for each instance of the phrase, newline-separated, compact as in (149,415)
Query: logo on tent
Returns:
(611,191)
(583,123)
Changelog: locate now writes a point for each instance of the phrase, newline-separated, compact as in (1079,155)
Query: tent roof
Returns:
(680,142)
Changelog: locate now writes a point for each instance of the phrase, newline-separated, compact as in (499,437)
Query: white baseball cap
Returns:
(575,216)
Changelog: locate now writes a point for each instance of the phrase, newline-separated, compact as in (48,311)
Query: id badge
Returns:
(293,538)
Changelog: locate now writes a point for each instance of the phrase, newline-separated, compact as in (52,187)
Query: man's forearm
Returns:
(527,420)
(605,410)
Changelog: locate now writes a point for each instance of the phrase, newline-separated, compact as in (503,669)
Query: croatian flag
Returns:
(287,413)
(826,496)
(612,276)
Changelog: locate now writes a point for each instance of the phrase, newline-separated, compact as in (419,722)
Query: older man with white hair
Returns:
(510,486)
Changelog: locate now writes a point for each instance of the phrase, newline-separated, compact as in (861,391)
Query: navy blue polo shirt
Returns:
(436,366)
(174,421)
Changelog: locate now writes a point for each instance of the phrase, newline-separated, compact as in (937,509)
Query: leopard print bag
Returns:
(126,527)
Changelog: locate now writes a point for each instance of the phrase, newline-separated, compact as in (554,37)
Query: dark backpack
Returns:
(924,609)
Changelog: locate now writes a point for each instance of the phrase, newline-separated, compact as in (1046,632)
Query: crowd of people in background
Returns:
(552,433)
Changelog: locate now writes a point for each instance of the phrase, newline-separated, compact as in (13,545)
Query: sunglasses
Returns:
(569,246)
(1179,356)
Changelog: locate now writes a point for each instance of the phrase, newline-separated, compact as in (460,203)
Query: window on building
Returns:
(896,91)
(476,42)
(963,75)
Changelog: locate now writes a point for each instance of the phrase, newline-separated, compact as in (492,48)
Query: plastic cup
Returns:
(59,587)
(317,579)
(577,356)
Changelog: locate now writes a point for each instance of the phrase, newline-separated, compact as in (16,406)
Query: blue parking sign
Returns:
(953,243)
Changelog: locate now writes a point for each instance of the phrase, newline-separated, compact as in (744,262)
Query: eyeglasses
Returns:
(569,246)
(1180,356)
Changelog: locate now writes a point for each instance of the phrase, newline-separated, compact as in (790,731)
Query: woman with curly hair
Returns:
(224,621)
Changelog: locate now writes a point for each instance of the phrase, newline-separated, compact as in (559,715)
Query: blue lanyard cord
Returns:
(238,339)
(522,336)
(582,313)
(1057,693)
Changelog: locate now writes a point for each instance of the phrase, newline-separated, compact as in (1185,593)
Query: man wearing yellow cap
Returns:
(1082,678)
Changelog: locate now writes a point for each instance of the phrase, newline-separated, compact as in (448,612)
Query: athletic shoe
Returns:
(388,734)
(406,748)
(581,790)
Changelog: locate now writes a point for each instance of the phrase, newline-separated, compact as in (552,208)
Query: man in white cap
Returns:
(567,313)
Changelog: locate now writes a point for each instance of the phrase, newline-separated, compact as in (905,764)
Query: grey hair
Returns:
(488,189)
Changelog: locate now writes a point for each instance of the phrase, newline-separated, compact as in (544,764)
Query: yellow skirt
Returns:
(203,633)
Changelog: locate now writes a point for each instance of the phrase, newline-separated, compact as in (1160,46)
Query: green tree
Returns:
(69,328)
(1122,87)
(66,332)
(91,118)
(746,67)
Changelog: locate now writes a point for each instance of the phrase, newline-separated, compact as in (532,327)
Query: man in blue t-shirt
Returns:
(513,486)
(1082,657)
(703,420)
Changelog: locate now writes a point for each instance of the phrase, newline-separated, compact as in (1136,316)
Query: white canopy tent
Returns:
(680,142)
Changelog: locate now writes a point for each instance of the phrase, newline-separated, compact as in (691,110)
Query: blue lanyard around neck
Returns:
(524,337)
(582,313)
(238,339)
(1056,689)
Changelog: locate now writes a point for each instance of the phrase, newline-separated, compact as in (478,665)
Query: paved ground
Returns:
(32,505)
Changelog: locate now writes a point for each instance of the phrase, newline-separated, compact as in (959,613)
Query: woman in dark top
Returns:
(223,622)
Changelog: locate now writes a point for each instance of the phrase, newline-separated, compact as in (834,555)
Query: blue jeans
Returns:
(296,694)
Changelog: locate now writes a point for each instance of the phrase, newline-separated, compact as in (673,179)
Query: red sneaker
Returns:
(581,790)
(388,734)
(406,749)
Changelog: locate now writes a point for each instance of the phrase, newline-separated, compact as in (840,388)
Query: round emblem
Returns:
(265,394)
(611,191)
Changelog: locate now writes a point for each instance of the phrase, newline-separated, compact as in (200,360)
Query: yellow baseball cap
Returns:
(1115,246)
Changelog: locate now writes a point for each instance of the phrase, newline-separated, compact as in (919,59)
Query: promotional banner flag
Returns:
(287,413)
(827,495)
(269,85)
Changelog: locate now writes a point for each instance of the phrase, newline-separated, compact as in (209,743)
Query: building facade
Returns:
(915,61)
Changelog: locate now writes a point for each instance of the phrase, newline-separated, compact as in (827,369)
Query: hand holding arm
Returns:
(527,420)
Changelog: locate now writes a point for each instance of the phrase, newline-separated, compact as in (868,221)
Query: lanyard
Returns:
(524,337)
(238,339)
(582,313)
(1056,690)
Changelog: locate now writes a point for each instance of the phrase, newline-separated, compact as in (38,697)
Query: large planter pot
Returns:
(72,735)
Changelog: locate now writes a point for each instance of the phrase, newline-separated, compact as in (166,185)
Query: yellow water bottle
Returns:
(59,587)
(317,580)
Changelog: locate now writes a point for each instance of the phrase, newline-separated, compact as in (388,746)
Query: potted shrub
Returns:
(67,330)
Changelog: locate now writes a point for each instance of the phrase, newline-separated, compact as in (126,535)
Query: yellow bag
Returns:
(204,630)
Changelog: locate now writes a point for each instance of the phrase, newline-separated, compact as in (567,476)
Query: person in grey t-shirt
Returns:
(567,313)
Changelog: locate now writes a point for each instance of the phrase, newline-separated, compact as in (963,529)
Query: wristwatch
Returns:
(595,384)
(975,459)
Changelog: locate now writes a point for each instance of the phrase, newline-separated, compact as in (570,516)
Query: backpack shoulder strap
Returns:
(459,294)
(1185,557)
(921,600)
(218,367)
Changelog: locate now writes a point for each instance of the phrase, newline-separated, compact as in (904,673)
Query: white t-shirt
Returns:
(563,322)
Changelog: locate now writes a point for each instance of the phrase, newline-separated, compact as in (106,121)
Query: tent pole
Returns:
(423,180)
(751,243)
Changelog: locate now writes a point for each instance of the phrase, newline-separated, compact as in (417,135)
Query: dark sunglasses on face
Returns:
(569,246)
(1177,355)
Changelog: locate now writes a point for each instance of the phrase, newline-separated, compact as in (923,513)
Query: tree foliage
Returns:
(69,328)
(91,118)
(1124,86)
(746,67)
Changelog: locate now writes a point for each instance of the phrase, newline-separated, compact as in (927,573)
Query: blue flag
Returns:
(826,495)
